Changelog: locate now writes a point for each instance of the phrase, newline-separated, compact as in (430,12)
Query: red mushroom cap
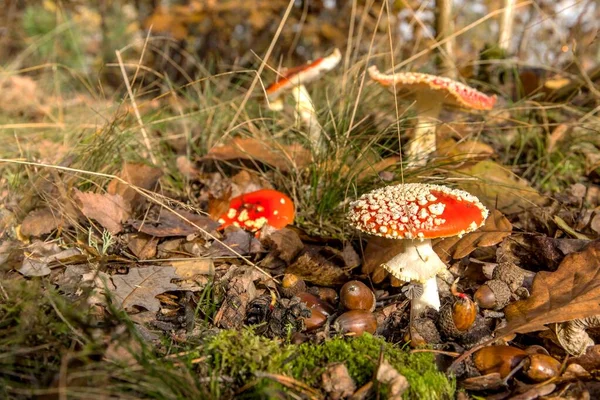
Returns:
(456,93)
(303,74)
(252,211)
(417,211)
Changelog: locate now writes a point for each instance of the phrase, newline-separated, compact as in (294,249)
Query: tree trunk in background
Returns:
(444,26)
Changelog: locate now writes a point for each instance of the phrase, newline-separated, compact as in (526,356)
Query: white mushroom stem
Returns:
(428,109)
(305,110)
(429,298)
(418,262)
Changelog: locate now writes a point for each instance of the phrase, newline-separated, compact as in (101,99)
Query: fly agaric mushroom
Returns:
(417,213)
(430,93)
(251,211)
(294,79)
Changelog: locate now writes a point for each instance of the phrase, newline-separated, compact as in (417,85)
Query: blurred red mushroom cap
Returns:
(303,74)
(251,211)
(453,93)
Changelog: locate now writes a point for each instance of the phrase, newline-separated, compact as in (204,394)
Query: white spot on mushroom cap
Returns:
(231,213)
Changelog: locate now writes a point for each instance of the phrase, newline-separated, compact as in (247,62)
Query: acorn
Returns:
(319,310)
(455,319)
(291,285)
(500,359)
(356,322)
(494,294)
(355,295)
(510,274)
(541,367)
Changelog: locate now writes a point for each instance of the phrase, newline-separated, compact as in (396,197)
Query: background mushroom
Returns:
(430,92)
(294,80)
(251,211)
(417,213)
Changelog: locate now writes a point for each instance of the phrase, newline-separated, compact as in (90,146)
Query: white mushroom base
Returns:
(418,262)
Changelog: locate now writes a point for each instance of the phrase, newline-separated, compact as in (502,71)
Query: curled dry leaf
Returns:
(141,175)
(572,335)
(140,286)
(571,292)
(107,209)
(495,229)
(283,157)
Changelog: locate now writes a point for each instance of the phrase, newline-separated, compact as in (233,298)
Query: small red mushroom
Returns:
(251,211)
(293,80)
(417,213)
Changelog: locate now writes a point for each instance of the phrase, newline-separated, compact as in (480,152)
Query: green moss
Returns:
(240,354)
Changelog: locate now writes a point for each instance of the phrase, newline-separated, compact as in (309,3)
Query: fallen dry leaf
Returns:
(141,286)
(495,229)
(187,269)
(141,175)
(285,158)
(379,251)
(39,255)
(397,382)
(107,209)
(169,224)
(323,266)
(337,381)
(141,245)
(240,291)
(465,150)
(497,187)
(370,170)
(40,222)
(571,292)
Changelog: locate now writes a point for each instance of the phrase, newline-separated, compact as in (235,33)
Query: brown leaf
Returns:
(140,175)
(283,157)
(284,243)
(495,229)
(571,292)
(109,210)
(240,291)
(337,381)
(464,150)
(370,170)
(42,221)
(141,245)
(169,224)
(379,251)
(497,187)
(590,360)
(322,266)
(141,286)
(187,269)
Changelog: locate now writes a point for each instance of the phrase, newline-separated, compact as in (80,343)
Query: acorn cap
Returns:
(251,211)
(303,74)
(449,91)
(417,210)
